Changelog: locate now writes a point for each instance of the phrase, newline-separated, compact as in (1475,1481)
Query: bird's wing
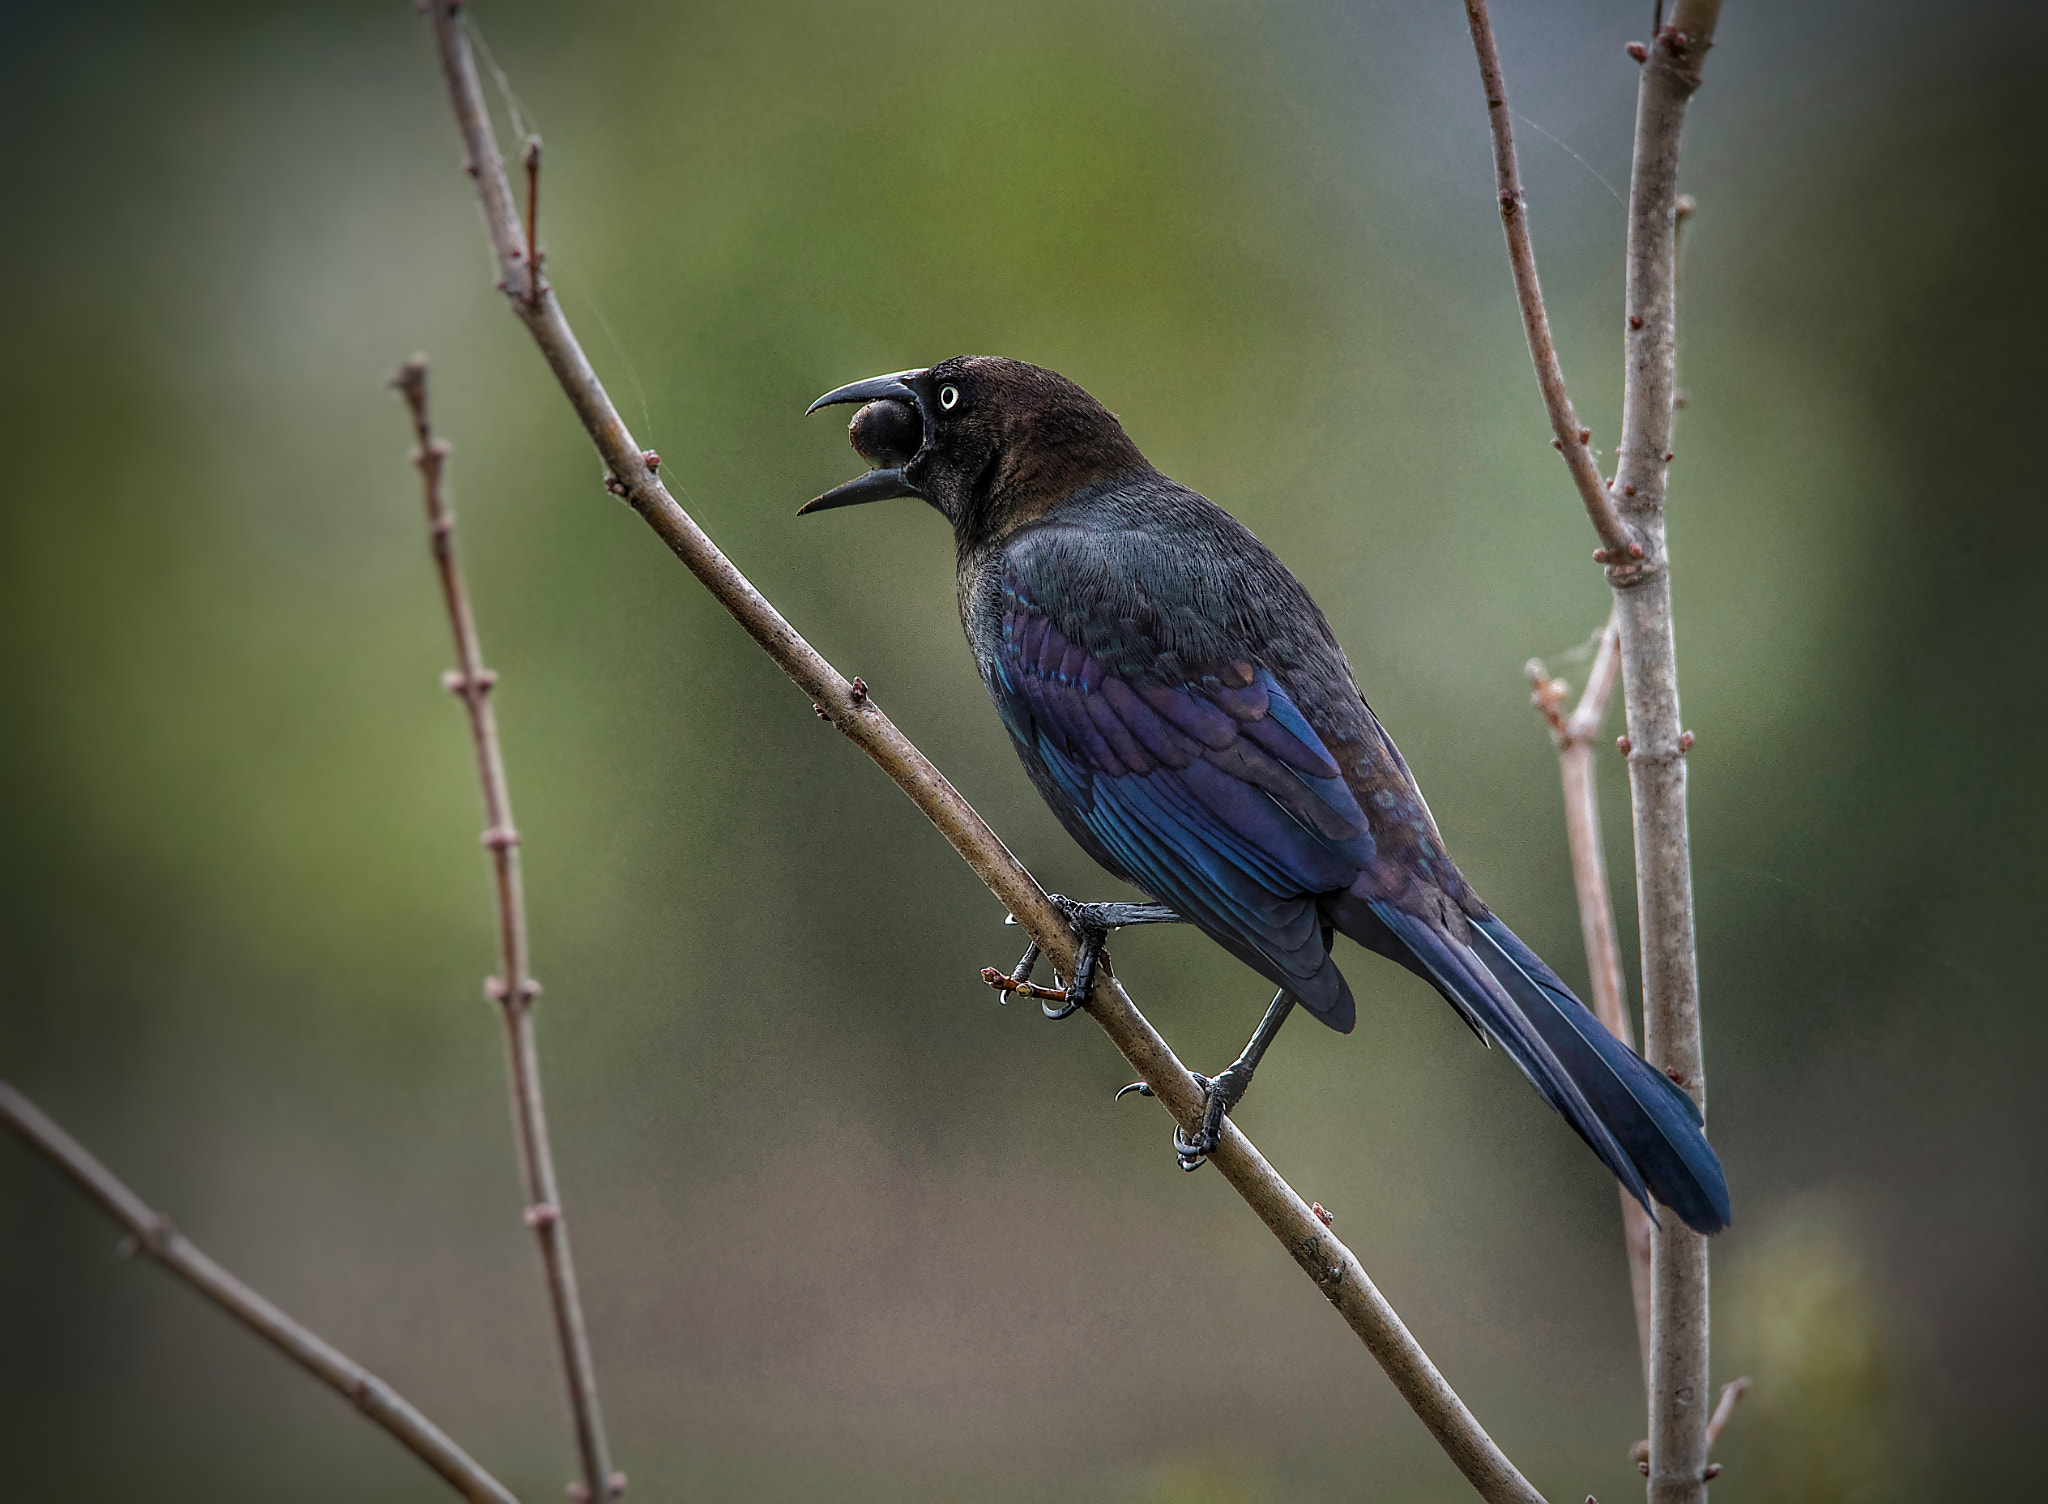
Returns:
(1203,781)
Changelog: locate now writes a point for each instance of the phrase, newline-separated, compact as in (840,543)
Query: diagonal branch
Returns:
(1618,543)
(151,1232)
(514,988)
(633,476)
(1575,735)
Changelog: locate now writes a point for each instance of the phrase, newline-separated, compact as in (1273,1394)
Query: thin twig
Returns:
(514,988)
(533,251)
(1601,680)
(1619,545)
(1657,740)
(1731,1393)
(151,1232)
(1576,735)
(1321,1255)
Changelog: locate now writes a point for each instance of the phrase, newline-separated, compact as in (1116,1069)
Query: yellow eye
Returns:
(949,397)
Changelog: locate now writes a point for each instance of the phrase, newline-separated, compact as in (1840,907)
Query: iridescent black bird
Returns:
(1184,708)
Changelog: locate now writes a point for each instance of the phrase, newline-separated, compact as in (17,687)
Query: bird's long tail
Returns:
(1642,1126)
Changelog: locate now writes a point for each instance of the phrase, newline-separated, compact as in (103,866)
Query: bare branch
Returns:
(514,988)
(151,1232)
(1731,1393)
(1658,743)
(1619,545)
(1320,1254)
(1576,736)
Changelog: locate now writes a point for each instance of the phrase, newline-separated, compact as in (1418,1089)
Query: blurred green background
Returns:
(848,1229)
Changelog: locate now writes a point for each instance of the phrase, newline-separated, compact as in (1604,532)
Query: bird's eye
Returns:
(949,397)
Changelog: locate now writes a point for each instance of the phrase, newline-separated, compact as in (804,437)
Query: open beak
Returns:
(872,390)
(876,485)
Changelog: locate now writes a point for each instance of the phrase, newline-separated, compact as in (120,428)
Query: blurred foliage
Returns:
(1826,1420)
(849,1229)
(1205,1480)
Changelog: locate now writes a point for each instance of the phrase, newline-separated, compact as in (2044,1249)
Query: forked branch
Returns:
(514,988)
(151,1232)
(1656,743)
(633,476)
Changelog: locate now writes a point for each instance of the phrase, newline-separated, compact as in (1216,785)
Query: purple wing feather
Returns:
(1212,792)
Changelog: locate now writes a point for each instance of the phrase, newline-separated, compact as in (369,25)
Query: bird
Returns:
(1184,708)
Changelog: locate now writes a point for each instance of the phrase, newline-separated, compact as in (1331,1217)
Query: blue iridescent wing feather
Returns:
(1209,790)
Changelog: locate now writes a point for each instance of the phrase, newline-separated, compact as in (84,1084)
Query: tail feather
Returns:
(1643,1127)
(1656,1123)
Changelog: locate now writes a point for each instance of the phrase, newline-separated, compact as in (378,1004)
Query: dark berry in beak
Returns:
(886,433)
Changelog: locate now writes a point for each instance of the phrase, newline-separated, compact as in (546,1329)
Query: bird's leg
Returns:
(1225,1091)
(1094,921)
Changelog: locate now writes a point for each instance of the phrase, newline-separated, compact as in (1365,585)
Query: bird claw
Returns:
(1069,1005)
(1094,921)
(1219,1096)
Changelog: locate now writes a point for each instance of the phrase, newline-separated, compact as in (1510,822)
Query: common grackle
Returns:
(1180,702)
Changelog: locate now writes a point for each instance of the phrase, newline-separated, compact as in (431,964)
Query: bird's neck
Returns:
(1031,483)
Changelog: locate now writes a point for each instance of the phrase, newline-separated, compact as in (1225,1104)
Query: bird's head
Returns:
(991,443)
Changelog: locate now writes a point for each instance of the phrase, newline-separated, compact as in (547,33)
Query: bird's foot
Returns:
(1219,1095)
(1094,921)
